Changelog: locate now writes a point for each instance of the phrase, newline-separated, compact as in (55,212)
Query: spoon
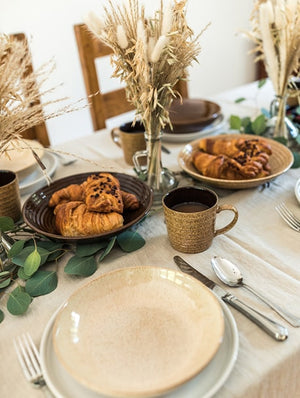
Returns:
(230,274)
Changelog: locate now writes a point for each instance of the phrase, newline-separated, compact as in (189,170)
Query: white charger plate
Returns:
(297,190)
(204,385)
(215,127)
(36,179)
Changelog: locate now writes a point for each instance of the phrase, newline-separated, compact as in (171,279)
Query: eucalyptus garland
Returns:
(259,125)
(22,261)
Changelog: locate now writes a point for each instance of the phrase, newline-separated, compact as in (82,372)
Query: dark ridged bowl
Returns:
(39,216)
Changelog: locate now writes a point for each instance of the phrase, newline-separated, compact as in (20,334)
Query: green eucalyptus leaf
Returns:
(21,257)
(108,248)
(6,223)
(85,250)
(1,316)
(261,83)
(259,124)
(5,283)
(32,263)
(18,301)
(282,140)
(55,254)
(55,249)
(235,122)
(22,275)
(298,139)
(41,283)
(49,245)
(16,248)
(241,99)
(245,121)
(83,266)
(296,163)
(130,241)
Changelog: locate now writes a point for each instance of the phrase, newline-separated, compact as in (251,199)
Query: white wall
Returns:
(223,62)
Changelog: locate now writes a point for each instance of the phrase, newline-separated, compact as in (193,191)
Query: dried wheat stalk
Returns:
(150,54)
(20,91)
(276,32)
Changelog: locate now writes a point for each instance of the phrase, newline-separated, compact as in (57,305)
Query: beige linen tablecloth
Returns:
(265,248)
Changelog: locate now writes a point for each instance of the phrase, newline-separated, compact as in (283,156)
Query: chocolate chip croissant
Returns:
(102,193)
(74,219)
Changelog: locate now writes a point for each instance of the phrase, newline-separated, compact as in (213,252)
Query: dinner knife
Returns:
(274,329)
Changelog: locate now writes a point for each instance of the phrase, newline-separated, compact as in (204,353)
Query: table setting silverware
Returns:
(288,216)
(272,328)
(231,275)
(29,359)
(65,160)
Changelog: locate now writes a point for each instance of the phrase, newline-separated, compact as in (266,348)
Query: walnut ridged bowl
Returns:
(39,216)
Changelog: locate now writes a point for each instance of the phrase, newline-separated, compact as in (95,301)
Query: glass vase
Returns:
(280,126)
(158,178)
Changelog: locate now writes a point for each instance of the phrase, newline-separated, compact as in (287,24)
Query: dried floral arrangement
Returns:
(276,32)
(150,54)
(20,91)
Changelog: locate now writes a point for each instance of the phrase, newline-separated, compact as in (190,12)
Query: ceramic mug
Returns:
(130,138)
(190,215)
(10,203)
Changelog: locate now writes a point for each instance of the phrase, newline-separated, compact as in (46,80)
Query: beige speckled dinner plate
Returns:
(138,331)
(280,161)
(21,159)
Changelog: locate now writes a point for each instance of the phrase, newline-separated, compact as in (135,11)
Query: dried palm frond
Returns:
(150,54)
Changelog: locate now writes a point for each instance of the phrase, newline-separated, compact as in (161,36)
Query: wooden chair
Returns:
(103,105)
(260,70)
(38,132)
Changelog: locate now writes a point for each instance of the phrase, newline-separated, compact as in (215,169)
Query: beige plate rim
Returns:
(184,162)
(22,160)
(190,283)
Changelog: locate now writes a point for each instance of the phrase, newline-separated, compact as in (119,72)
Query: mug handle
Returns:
(232,223)
(115,136)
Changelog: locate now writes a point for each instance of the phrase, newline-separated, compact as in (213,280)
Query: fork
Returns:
(288,216)
(29,359)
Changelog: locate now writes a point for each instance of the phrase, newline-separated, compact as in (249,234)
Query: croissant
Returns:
(233,147)
(74,219)
(224,167)
(103,193)
(130,201)
(70,193)
(209,165)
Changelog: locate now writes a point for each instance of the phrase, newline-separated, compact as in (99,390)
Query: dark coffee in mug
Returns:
(190,207)
(130,128)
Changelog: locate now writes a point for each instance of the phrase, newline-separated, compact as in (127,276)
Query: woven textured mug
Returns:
(10,203)
(131,139)
(190,215)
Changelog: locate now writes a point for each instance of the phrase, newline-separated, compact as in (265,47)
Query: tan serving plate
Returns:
(280,161)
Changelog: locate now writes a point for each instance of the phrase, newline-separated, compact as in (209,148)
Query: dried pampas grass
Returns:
(151,54)
(276,32)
